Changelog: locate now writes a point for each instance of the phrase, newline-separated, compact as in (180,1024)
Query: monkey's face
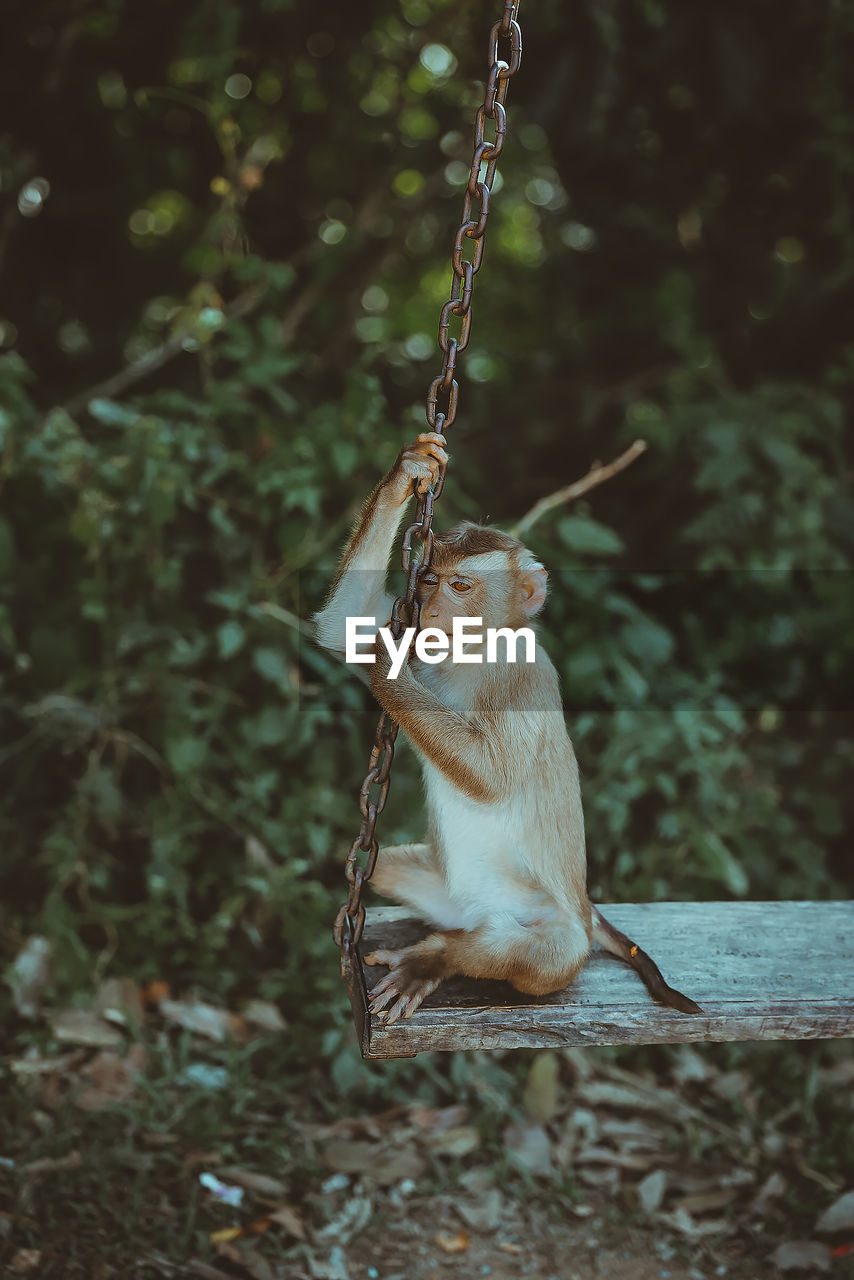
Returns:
(445,596)
(490,586)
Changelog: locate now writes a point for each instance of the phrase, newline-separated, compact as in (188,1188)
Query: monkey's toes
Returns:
(388,983)
(397,996)
(406,1006)
(393,959)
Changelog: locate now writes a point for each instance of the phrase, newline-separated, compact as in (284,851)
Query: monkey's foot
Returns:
(403,989)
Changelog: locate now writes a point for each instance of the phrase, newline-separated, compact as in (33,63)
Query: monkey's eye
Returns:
(460,585)
(428,580)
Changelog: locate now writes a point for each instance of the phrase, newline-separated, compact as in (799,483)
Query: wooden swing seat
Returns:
(759,970)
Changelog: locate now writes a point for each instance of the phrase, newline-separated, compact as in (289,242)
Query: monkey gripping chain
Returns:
(442,396)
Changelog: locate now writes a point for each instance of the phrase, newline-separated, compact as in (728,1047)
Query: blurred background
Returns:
(225,233)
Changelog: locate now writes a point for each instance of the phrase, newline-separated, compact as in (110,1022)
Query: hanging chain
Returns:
(442,396)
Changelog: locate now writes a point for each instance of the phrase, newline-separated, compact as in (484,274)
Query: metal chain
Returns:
(441,408)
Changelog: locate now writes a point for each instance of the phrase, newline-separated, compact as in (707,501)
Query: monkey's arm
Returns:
(464,752)
(359,586)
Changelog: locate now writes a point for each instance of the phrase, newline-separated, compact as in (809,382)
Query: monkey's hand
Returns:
(417,466)
(405,987)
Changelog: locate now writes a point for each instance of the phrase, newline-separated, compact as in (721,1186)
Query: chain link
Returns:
(441,411)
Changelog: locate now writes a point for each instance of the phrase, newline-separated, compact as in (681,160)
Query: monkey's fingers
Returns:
(379,1000)
(411,1000)
(386,986)
(433,445)
(432,437)
(401,1007)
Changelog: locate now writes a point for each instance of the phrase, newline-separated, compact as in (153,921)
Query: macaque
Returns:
(502,873)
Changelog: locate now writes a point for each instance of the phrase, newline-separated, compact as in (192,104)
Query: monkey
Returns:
(502,874)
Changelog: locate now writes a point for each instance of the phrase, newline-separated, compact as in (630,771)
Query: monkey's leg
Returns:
(535,960)
(620,945)
(411,874)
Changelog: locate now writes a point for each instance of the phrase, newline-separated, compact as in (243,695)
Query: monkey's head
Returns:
(480,572)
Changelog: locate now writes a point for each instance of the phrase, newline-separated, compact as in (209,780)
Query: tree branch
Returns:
(597,475)
(242,305)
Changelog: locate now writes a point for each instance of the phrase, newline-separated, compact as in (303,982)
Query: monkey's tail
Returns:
(646,968)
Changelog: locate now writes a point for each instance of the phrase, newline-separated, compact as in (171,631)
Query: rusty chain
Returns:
(441,409)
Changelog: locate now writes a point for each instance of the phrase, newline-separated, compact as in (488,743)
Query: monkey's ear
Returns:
(533,583)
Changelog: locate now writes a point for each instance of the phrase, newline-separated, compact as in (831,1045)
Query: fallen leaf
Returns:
(438,1118)
(580,1062)
(680,1220)
(25,1261)
(515,1249)
(706,1201)
(263,1014)
(153,992)
(599,1093)
(691,1066)
(203,1075)
(197,1157)
(337,1182)
(224,1236)
(202,1019)
(651,1190)
(529,1148)
(332,1268)
(222,1192)
(159,1139)
(350,1157)
(118,1000)
(617,1159)
(83,1026)
(607,1178)
(457,1243)
(34,1065)
(840,1073)
(540,1098)
(349,1222)
(839,1216)
(484,1212)
(255,1263)
(53,1164)
(454,1142)
(371,1160)
(29,975)
(110,1078)
(289,1220)
(804,1255)
(637,1134)
(586,1123)
(771,1189)
(204,1271)
(259,1182)
(732,1084)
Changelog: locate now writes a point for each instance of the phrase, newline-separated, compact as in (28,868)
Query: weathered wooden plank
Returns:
(759,970)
